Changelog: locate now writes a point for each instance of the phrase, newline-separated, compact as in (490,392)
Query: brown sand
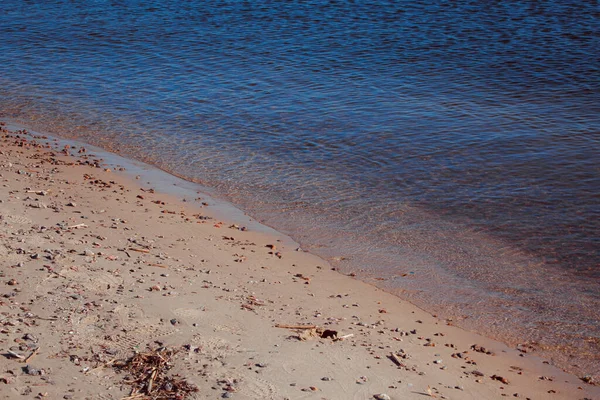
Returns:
(95,267)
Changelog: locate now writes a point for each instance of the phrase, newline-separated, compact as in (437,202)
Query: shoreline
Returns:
(565,344)
(237,261)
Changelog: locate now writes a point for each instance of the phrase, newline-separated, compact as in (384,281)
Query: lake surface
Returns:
(444,151)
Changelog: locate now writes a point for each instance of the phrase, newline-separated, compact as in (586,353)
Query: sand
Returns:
(97,266)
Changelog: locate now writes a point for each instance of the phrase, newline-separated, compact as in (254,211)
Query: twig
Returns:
(16,355)
(295,326)
(78,226)
(132,397)
(396,359)
(151,380)
(139,250)
(343,337)
(32,355)
(50,318)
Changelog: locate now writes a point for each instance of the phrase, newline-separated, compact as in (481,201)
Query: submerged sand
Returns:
(97,267)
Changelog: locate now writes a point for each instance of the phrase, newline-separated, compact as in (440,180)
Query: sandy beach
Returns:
(97,267)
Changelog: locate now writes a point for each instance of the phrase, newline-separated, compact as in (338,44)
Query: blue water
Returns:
(450,148)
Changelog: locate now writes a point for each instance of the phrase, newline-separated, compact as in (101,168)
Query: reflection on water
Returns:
(450,147)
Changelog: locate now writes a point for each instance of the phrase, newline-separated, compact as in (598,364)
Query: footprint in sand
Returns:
(98,281)
(252,387)
(189,315)
(15,219)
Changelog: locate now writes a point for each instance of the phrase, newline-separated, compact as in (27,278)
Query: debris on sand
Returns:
(147,374)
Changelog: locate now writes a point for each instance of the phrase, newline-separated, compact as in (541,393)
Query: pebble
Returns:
(382,396)
(29,370)
(29,336)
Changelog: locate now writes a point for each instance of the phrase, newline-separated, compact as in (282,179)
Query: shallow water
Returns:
(448,148)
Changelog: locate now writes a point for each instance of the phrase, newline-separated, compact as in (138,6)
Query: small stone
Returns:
(174,321)
(71,204)
(500,378)
(29,336)
(29,370)
(588,379)
(382,396)
(326,379)
(12,282)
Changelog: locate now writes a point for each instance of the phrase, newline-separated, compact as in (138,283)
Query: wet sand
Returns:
(97,266)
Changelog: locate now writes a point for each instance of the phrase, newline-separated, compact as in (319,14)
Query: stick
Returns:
(344,337)
(396,359)
(51,318)
(78,226)
(151,380)
(32,355)
(12,353)
(135,396)
(139,250)
(295,326)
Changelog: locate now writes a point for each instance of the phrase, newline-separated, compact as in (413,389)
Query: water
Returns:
(444,151)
